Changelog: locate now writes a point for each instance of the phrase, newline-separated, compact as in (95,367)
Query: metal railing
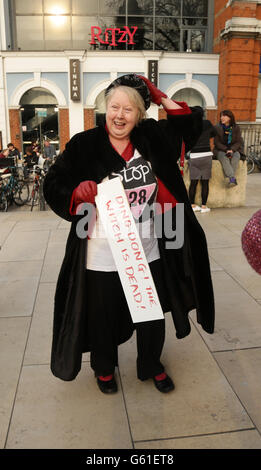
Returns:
(251,134)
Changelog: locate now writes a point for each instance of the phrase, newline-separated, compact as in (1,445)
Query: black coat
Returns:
(90,156)
(237,144)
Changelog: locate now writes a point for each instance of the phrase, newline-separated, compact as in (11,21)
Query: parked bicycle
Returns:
(3,198)
(13,189)
(37,196)
(253,158)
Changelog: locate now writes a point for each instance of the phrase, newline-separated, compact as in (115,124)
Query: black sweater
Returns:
(202,145)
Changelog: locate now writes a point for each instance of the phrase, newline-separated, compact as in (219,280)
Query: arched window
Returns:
(39,117)
(191,96)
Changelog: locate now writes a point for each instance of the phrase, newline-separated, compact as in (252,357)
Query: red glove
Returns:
(155,93)
(84,192)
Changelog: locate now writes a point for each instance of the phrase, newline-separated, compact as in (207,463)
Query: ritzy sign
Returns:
(113,36)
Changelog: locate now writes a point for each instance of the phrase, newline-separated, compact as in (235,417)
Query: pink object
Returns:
(251,241)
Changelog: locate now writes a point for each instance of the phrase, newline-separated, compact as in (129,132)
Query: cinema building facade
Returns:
(58,56)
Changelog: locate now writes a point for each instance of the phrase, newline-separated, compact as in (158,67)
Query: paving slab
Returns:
(38,350)
(202,402)
(230,440)
(242,368)
(24,246)
(5,229)
(19,283)
(234,262)
(37,224)
(214,266)
(64,224)
(238,316)
(13,335)
(54,255)
(217,235)
(52,414)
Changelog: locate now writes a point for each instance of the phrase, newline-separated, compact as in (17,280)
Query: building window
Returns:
(191,96)
(167,25)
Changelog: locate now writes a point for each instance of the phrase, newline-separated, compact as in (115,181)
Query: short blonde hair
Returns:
(133,96)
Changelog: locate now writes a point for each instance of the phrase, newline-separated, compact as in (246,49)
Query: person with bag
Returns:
(228,145)
(91,312)
(200,165)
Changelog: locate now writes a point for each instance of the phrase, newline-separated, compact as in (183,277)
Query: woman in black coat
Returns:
(91,313)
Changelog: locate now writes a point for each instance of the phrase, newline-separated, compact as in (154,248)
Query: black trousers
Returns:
(150,338)
(109,324)
(204,191)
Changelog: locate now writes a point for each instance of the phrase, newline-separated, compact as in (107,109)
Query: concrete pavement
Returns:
(216,403)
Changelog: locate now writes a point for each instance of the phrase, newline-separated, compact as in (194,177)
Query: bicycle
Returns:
(13,189)
(253,158)
(37,195)
(3,198)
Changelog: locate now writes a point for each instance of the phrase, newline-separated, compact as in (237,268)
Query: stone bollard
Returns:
(219,194)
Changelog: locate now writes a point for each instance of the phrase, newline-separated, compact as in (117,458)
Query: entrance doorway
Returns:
(39,118)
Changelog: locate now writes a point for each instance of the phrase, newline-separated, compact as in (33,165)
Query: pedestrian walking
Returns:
(228,145)
(91,312)
(48,154)
(200,165)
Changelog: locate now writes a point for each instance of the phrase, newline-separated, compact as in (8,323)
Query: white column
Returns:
(4,118)
(2,27)
(3,102)
(76,118)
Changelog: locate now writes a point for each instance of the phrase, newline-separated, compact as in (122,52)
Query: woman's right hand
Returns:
(85,192)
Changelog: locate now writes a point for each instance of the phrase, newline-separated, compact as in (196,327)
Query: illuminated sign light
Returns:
(125,35)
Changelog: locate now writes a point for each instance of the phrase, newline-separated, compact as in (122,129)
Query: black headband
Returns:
(132,80)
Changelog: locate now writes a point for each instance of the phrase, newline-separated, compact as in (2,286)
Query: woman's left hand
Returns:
(155,93)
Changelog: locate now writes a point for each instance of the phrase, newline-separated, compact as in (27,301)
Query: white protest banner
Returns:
(128,253)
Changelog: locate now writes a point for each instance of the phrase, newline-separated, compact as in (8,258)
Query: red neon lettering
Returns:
(113,35)
(131,34)
(124,33)
(96,32)
(97,35)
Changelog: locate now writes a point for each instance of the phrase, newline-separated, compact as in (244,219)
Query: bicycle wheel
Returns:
(35,197)
(3,202)
(41,197)
(258,163)
(21,193)
(250,165)
(34,193)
